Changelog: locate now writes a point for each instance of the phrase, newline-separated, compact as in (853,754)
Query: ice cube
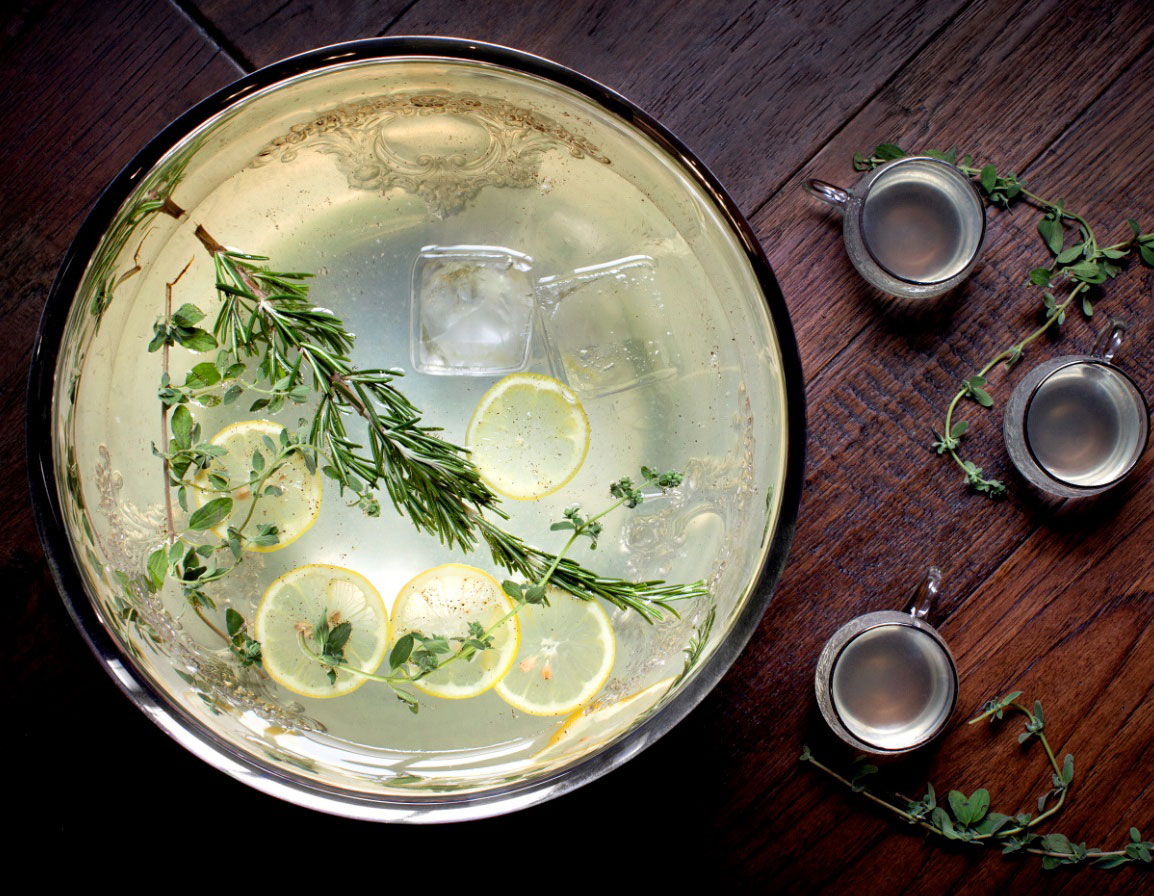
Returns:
(607,326)
(472,310)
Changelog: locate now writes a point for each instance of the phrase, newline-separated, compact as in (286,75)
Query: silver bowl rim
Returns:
(177,722)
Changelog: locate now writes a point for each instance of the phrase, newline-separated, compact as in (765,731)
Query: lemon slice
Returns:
(292,511)
(528,436)
(566,655)
(589,728)
(443,601)
(297,600)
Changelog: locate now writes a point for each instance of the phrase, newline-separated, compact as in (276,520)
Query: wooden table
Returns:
(1052,600)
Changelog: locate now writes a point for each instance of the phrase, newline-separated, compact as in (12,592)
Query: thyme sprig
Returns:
(187,557)
(968,820)
(1079,268)
(416,655)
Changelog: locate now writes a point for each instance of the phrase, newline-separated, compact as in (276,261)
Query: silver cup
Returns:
(1077,425)
(914,227)
(886,682)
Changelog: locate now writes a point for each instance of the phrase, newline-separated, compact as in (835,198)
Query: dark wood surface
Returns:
(1053,600)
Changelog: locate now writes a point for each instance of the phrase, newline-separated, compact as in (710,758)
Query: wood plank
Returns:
(860,402)
(876,504)
(983,86)
(751,92)
(86,85)
(263,31)
(1067,620)
(18,18)
(1057,605)
(57,159)
(58,154)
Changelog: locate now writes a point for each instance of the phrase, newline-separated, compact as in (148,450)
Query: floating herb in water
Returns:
(292,352)
(303,349)
(416,655)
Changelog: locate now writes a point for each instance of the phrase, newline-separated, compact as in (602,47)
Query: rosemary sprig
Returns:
(301,350)
(696,647)
(416,655)
(266,315)
(969,820)
(1080,267)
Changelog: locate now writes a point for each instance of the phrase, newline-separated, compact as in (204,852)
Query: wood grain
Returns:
(946,98)
(60,150)
(1052,599)
(860,517)
(737,89)
(263,31)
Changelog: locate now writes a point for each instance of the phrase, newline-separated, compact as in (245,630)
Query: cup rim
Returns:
(1137,456)
(953,170)
(836,646)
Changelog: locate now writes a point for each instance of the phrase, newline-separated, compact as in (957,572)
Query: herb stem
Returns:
(557,559)
(170,208)
(1041,735)
(889,807)
(168,287)
(1015,351)
(257,490)
(169,515)
(963,819)
(204,618)
(402,675)
(355,670)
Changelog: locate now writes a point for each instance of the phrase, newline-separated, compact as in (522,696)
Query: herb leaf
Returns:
(210,514)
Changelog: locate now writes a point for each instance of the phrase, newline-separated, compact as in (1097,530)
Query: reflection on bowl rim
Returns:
(176,721)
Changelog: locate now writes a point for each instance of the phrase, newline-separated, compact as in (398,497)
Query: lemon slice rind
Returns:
(528,436)
(300,489)
(591,727)
(566,655)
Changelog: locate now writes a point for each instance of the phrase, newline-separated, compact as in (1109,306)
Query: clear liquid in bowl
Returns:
(583,272)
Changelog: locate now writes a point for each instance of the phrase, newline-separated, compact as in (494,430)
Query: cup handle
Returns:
(835,196)
(926,593)
(1110,340)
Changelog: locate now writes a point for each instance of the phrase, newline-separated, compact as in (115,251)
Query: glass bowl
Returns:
(469,212)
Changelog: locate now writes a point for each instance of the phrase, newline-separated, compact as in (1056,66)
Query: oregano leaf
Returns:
(210,514)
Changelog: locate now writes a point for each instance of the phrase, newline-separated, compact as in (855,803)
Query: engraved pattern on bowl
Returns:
(443,147)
